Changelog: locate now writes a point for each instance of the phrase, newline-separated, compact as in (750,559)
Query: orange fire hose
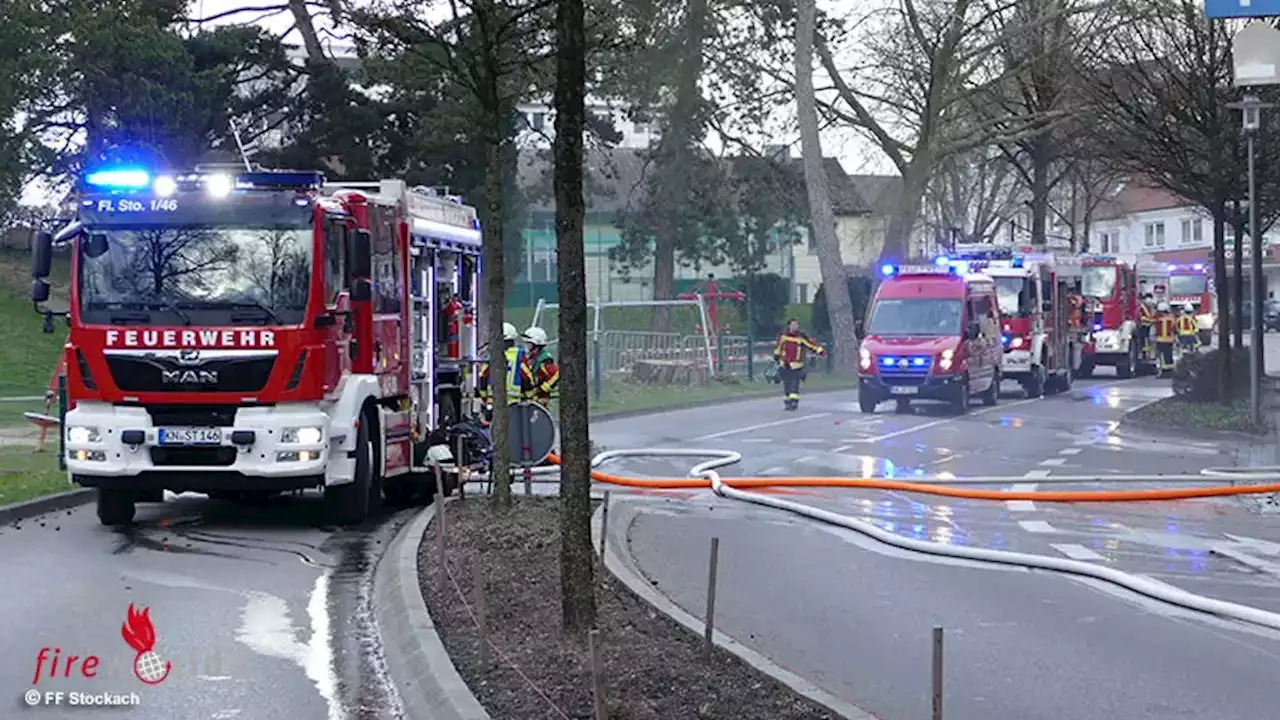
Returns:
(928,489)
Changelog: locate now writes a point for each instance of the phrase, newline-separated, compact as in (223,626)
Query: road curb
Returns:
(424,677)
(709,402)
(623,567)
(47,504)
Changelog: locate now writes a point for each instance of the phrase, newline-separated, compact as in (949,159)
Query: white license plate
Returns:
(905,390)
(190,436)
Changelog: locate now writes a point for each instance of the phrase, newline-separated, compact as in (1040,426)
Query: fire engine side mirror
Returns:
(361,290)
(39,291)
(1047,306)
(972,332)
(360,254)
(42,256)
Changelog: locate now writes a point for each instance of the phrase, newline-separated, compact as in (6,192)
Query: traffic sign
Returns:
(1241,8)
(1255,54)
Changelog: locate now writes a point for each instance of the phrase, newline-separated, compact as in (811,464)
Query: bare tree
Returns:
(822,219)
(970,194)
(1160,98)
(577,574)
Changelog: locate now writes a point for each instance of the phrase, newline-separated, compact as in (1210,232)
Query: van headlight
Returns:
(302,435)
(77,435)
(864,358)
(944,361)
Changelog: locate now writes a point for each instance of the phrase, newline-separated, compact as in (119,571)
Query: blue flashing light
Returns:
(887,361)
(1004,339)
(1198,267)
(1017,262)
(942,261)
(1173,267)
(119,178)
(887,269)
(919,361)
(893,361)
(1097,326)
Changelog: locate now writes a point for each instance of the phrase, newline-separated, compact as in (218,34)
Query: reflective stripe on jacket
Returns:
(1164,328)
(1187,325)
(790,349)
(515,375)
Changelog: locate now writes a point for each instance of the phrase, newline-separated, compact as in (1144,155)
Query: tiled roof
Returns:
(1135,196)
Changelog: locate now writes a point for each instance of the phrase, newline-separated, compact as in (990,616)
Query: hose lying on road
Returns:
(941,488)
(705,474)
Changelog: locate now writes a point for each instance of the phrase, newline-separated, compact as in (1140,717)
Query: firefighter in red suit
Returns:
(541,374)
(790,353)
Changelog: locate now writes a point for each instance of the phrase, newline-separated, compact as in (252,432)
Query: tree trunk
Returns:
(495,306)
(1039,194)
(1220,280)
(675,147)
(1237,289)
(822,218)
(307,29)
(577,568)
(897,236)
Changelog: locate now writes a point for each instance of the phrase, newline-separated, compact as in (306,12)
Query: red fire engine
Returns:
(1110,293)
(1191,285)
(248,333)
(1042,350)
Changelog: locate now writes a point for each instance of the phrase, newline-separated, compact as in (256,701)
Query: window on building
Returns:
(1192,232)
(1153,235)
(802,293)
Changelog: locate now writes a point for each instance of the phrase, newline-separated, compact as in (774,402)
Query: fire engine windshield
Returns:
(929,317)
(1098,281)
(1188,284)
(194,275)
(1014,296)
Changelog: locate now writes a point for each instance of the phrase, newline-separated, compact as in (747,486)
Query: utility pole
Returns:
(1251,111)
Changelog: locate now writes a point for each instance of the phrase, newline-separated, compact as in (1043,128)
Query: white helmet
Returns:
(1188,308)
(1163,306)
(509,332)
(536,335)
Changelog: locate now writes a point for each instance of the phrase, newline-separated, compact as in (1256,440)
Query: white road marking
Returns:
(1036,526)
(1021,505)
(1036,473)
(841,449)
(1071,451)
(806,459)
(943,421)
(775,470)
(757,441)
(1053,462)
(808,441)
(761,426)
(1077,552)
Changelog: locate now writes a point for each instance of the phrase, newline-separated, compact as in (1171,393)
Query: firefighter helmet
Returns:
(536,336)
(1188,308)
(1163,307)
(509,332)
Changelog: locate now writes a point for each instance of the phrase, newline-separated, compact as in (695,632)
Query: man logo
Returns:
(189,377)
(189,356)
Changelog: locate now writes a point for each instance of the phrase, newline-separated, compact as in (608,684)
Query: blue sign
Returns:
(1241,8)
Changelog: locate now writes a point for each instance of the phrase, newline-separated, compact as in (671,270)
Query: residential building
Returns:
(638,130)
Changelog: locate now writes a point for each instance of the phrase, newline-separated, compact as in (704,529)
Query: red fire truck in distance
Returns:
(243,334)
(1041,350)
(1191,285)
(1110,293)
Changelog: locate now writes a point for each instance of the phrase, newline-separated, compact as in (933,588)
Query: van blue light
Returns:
(119,178)
(1017,262)
(1173,267)
(942,261)
(887,269)
(1198,267)
(1097,326)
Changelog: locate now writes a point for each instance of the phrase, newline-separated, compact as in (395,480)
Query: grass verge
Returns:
(1174,413)
(623,397)
(26,475)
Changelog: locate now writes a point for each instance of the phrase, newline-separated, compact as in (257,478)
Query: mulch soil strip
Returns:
(653,668)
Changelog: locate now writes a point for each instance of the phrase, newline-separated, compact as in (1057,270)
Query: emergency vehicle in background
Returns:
(1191,285)
(932,332)
(1042,347)
(248,333)
(1110,292)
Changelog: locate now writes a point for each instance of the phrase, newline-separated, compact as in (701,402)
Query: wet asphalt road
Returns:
(262,614)
(1022,645)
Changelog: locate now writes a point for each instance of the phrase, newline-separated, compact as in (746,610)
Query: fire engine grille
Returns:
(189,456)
(157,374)
(911,370)
(192,415)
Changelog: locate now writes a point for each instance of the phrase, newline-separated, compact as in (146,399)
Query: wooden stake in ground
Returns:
(604,527)
(481,621)
(937,673)
(597,673)
(711,595)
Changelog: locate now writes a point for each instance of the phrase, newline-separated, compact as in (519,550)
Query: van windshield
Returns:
(1014,296)
(929,317)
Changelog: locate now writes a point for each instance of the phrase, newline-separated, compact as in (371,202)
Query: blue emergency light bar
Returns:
(1194,267)
(119,179)
(916,361)
(889,269)
(125,179)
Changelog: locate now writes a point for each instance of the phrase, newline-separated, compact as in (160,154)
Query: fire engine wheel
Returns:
(1129,366)
(866,404)
(1086,369)
(1036,382)
(349,504)
(116,507)
(902,405)
(961,401)
(992,394)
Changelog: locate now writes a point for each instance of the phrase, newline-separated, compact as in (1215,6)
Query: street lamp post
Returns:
(1251,110)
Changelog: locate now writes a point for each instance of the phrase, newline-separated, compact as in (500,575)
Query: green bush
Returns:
(859,296)
(1195,378)
(769,293)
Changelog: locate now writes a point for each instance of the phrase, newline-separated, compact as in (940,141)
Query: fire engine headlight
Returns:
(944,362)
(79,435)
(864,358)
(302,435)
(1016,342)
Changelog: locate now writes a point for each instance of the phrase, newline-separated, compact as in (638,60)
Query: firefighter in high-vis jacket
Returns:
(1146,320)
(515,366)
(790,353)
(541,374)
(1165,329)
(1188,329)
